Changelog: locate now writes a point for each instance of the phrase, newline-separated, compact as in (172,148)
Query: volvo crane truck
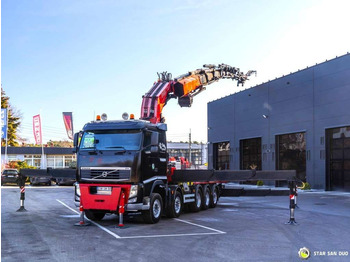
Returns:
(123,165)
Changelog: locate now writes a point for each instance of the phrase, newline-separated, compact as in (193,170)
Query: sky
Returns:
(91,57)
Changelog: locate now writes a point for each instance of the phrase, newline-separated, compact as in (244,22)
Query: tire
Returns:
(153,215)
(197,204)
(206,198)
(214,196)
(176,206)
(93,215)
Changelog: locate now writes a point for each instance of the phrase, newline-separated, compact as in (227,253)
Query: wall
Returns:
(310,100)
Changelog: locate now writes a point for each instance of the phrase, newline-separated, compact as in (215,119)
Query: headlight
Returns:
(77,189)
(133,191)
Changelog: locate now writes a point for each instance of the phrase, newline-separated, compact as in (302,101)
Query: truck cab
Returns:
(119,159)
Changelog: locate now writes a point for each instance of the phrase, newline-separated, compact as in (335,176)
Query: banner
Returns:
(68,123)
(3,123)
(37,129)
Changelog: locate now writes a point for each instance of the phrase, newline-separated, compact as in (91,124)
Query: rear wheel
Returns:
(94,215)
(197,204)
(206,198)
(153,215)
(176,206)
(214,197)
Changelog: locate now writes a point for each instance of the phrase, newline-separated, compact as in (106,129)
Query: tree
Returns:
(14,121)
(64,143)
(19,165)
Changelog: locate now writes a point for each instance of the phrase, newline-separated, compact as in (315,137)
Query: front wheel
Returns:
(176,206)
(94,215)
(153,215)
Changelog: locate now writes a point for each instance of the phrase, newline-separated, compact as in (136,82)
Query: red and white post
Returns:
(292,199)
(82,218)
(121,209)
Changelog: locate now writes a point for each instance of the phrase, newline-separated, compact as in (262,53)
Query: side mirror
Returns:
(76,141)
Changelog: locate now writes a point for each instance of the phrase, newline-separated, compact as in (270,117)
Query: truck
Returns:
(122,165)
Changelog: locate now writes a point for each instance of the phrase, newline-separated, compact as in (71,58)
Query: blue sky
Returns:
(91,57)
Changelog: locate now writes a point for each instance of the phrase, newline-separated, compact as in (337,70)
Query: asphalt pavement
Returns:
(238,229)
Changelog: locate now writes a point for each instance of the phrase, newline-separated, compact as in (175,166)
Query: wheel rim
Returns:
(156,208)
(177,204)
(215,197)
(207,198)
(199,199)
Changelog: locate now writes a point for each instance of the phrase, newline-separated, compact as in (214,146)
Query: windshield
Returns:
(111,140)
(10,172)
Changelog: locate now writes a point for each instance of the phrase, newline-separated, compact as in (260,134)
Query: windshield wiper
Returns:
(117,147)
(94,151)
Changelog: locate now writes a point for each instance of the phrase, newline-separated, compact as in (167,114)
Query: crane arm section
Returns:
(185,87)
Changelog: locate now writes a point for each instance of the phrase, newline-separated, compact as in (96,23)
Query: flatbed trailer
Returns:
(161,195)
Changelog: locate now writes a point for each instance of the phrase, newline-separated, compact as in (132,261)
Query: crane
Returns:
(185,87)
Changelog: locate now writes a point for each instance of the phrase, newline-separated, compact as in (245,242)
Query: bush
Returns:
(260,183)
(73,164)
(306,186)
(19,165)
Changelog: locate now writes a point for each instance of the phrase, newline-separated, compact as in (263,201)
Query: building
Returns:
(300,121)
(60,157)
(55,157)
(198,152)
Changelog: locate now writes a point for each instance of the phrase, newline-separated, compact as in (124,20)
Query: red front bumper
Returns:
(89,199)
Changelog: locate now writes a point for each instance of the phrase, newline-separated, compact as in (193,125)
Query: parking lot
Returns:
(238,229)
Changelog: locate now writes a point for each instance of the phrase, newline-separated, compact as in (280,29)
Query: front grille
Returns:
(106,173)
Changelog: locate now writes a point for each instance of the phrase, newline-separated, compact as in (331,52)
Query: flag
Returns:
(68,123)
(3,123)
(37,129)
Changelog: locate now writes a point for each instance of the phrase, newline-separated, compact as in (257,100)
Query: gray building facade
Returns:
(300,121)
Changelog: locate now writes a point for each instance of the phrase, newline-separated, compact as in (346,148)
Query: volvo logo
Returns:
(104,174)
(162,146)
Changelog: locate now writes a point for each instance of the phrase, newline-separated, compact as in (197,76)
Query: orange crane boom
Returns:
(185,87)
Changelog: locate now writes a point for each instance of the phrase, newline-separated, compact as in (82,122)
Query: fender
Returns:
(170,195)
(157,183)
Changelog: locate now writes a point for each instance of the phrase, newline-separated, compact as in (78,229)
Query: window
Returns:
(68,160)
(51,161)
(221,155)
(250,154)
(147,139)
(59,161)
(291,153)
(111,140)
(338,158)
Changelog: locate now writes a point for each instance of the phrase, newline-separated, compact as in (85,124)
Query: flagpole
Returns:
(7,124)
(42,142)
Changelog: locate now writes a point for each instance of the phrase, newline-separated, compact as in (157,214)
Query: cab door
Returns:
(154,155)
